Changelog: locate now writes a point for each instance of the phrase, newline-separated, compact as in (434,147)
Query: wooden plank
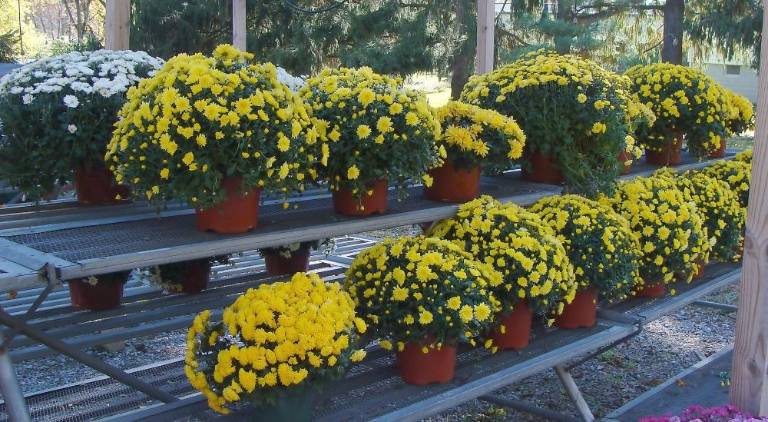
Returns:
(486,16)
(749,389)
(239,32)
(117,24)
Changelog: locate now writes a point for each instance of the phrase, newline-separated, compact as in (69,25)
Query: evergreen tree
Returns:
(727,26)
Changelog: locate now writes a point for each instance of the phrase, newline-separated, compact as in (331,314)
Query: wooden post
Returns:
(486,23)
(117,24)
(238,25)
(749,374)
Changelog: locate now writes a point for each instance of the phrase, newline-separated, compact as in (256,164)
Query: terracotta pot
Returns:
(96,185)
(346,204)
(236,214)
(669,154)
(699,270)
(543,170)
(196,276)
(452,184)
(581,313)
(653,290)
(517,328)
(719,152)
(419,368)
(280,265)
(106,294)
(624,156)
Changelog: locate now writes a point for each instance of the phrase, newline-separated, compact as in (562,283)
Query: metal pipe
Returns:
(15,405)
(85,358)
(527,407)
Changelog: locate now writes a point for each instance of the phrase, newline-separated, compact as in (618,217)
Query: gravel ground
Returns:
(666,347)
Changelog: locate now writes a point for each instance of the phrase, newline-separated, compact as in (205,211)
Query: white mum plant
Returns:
(58,113)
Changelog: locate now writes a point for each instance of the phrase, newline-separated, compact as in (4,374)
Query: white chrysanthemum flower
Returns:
(71,101)
(72,128)
(27,99)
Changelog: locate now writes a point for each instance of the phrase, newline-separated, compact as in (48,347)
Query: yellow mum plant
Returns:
(201,119)
(274,339)
(671,233)
(745,156)
(514,241)
(413,289)
(600,245)
(685,101)
(474,136)
(736,173)
(572,111)
(719,206)
(376,129)
(742,113)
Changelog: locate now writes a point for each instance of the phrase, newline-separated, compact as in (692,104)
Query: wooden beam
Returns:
(117,24)
(486,16)
(239,35)
(749,388)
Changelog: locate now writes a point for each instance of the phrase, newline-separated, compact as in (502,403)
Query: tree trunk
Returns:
(464,58)
(672,50)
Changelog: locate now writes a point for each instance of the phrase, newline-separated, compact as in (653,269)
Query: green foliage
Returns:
(9,51)
(90,43)
(730,26)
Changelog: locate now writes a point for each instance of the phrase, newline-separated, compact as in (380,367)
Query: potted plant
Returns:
(537,275)
(378,134)
(669,229)
(423,295)
(744,156)
(575,115)
(473,138)
(741,117)
(214,132)
(293,258)
(602,249)
(98,293)
(276,346)
(688,106)
(190,277)
(57,117)
(736,173)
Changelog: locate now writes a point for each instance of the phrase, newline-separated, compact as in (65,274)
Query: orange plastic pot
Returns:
(652,290)
(95,185)
(624,156)
(453,184)
(581,313)
(238,213)
(279,265)
(669,154)
(345,203)
(719,152)
(196,277)
(106,294)
(434,367)
(543,170)
(517,328)
(699,271)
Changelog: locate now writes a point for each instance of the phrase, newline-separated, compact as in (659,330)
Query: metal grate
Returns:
(76,244)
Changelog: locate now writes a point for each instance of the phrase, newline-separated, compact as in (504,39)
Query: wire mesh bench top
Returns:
(101,240)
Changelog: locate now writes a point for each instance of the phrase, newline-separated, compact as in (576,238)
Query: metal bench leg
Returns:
(10,389)
(573,392)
